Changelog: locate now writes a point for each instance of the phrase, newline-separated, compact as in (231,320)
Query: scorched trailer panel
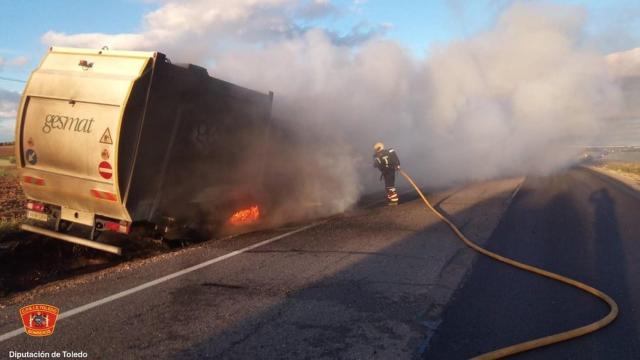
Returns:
(108,138)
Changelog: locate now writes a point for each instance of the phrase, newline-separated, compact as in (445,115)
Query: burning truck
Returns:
(107,140)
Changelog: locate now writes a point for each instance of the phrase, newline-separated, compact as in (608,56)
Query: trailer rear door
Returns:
(69,125)
(70,137)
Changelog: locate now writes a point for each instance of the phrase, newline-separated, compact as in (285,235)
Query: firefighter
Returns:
(386,160)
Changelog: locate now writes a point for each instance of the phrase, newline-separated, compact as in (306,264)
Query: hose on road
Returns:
(546,340)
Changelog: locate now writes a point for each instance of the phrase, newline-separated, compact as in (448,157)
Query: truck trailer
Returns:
(109,139)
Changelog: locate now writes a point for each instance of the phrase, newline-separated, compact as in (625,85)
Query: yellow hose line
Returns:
(543,341)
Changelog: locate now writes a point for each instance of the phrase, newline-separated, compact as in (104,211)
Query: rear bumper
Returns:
(73,239)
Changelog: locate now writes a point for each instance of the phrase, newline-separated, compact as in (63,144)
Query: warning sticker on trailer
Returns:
(105,170)
(32,157)
(106,137)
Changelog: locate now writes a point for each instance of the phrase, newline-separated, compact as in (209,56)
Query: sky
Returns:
(28,28)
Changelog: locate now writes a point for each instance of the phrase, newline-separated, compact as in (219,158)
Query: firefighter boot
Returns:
(392,196)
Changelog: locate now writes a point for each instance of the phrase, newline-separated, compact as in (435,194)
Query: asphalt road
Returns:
(369,284)
(376,283)
(578,224)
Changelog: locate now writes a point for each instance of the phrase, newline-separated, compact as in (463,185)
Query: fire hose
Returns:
(546,340)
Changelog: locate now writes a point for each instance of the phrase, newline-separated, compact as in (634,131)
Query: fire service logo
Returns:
(39,319)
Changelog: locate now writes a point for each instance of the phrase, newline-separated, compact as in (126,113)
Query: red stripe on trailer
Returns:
(105,170)
(103,195)
(33,180)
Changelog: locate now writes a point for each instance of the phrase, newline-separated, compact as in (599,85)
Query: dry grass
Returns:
(7,168)
(11,196)
(7,160)
(12,204)
(5,171)
(629,170)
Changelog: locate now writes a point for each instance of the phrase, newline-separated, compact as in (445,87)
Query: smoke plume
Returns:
(511,100)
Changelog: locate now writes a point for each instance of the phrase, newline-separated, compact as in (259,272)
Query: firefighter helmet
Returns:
(378,146)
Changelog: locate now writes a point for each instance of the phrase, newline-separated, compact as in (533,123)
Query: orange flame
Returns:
(245,216)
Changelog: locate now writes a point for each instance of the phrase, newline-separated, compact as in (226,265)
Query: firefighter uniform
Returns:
(387,161)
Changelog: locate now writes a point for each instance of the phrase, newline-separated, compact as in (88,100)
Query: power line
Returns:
(12,79)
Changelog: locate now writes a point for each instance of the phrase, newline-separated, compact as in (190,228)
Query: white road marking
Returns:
(515,192)
(158,281)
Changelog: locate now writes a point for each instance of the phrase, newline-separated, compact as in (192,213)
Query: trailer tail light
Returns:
(122,227)
(33,180)
(34,206)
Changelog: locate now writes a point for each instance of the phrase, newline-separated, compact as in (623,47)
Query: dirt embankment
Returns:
(11,196)
(11,199)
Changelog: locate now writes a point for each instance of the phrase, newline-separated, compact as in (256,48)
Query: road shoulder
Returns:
(629,184)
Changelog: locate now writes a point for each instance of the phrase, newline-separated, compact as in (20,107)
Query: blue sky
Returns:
(22,24)
(417,25)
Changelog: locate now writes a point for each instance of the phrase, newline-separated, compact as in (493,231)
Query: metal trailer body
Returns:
(108,138)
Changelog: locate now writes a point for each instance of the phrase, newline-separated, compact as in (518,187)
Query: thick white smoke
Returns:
(510,100)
